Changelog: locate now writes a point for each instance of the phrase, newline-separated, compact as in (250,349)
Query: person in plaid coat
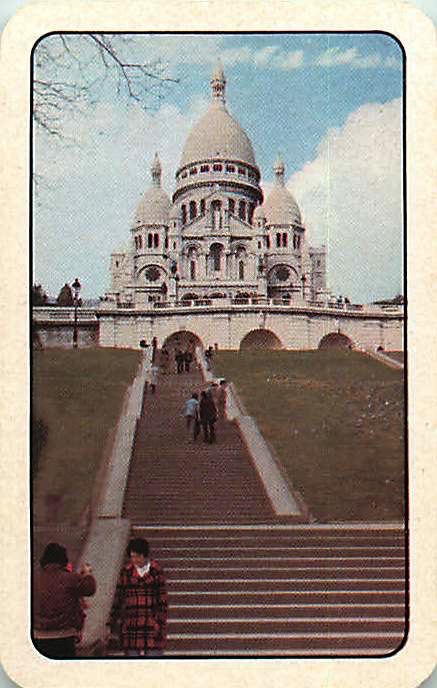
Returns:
(140,604)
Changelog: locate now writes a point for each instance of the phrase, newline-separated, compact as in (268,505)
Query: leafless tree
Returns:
(74,70)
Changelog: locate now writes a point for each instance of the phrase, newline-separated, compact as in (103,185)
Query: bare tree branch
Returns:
(71,70)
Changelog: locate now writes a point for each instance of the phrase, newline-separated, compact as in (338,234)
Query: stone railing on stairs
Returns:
(105,545)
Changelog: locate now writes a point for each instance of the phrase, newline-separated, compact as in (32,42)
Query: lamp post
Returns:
(174,272)
(76,287)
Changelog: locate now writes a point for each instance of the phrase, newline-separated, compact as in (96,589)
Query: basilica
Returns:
(217,237)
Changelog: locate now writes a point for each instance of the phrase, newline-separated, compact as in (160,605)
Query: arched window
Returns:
(242,210)
(202,206)
(267,242)
(156,240)
(278,240)
(217,168)
(241,270)
(216,255)
(231,205)
(193,210)
(284,239)
(192,269)
(216,208)
(166,241)
(251,211)
(184,214)
(149,240)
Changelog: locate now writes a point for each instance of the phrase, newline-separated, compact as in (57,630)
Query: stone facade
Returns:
(217,238)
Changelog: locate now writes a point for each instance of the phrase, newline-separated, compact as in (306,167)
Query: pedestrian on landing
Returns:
(58,614)
(208,357)
(152,377)
(192,414)
(221,400)
(164,360)
(140,604)
(179,358)
(208,416)
(188,358)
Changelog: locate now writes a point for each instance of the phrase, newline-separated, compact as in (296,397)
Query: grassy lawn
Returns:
(78,395)
(335,421)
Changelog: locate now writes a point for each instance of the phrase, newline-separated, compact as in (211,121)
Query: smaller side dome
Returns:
(154,207)
(280,206)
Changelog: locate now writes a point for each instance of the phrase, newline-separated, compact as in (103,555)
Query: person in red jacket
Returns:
(58,614)
(140,604)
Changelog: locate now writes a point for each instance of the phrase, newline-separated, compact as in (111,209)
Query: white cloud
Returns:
(263,56)
(334,57)
(291,60)
(269,57)
(351,198)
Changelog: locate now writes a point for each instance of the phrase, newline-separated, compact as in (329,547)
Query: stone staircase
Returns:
(241,581)
(278,590)
(174,480)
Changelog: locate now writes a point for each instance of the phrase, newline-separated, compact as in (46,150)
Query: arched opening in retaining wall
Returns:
(184,340)
(336,340)
(257,340)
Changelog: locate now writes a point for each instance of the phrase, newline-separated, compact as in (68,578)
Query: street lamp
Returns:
(76,287)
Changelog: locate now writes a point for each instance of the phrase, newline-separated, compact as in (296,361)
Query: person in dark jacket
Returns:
(58,615)
(140,604)
(208,416)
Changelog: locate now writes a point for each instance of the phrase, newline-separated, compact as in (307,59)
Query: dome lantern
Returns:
(218,85)
(155,171)
(279,170)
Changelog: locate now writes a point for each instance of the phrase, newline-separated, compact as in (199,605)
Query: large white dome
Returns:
(217,135)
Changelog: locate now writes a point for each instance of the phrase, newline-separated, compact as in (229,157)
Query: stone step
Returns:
(284,611)
(304,597)
(287,642)
(266,626)
(316,534)
(290,584)
(293,554)
(270,572)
